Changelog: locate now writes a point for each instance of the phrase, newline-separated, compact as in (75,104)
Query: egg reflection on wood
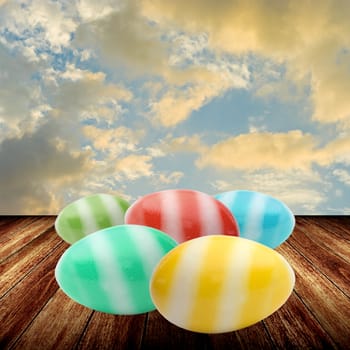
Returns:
(183,214)
(220,283)
(110,269)
(260,217)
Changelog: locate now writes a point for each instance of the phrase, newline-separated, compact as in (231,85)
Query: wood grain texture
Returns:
(106,331)
(17,239)
(67,322)
(36,314)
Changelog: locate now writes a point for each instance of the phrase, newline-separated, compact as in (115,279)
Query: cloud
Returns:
(331,81)
(178,102)
(123,36)
(90,10)
(41,24)
(261,150)
(285,32)
(342,175)
(336,151)
(195,77)
(82,94)
(176,105)
(187,81)
(170,178)
(304,191)
(113,142)
(34,167)
(187,144)
(134,166)
(19,93)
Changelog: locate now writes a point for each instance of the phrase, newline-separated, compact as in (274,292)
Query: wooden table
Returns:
(35,314)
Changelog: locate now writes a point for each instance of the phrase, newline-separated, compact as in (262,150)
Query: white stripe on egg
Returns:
(253,227)
(148,248)
(184,285)
(170,211)
(86,216)
(228,198)
(112,278)
(113,209)
(230,306)
(209,215)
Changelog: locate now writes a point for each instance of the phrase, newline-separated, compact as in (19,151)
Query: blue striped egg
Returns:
(110,270)
(260,217)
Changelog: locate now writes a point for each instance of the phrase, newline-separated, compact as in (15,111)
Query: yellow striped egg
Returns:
(218,283)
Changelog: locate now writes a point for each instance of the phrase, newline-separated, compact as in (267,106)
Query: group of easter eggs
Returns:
(206,263)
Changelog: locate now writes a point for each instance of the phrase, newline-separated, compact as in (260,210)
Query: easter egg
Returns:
(183,214)
(90,214)
(110,270)
(260,217)
(219,283)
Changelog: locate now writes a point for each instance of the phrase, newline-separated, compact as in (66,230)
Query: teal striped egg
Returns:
(260,217)
(90,214)
(110,270)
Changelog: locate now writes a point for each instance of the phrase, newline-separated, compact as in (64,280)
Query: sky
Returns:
(133,97)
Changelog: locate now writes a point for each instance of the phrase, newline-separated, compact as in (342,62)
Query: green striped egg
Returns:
(90,214)
(110,270)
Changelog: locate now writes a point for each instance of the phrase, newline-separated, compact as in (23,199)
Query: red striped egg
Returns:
(183,214)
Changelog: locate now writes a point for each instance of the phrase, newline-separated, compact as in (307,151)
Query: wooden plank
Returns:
(343,220)
(325,237)
(9,228)
(106,332)
(17,241)
(337,226)
(18,265)
(328,304)
(161,334)
(294,327)
(58,326)
(8,219)
(23,303)
(253,337)
(34,315)
(325,260)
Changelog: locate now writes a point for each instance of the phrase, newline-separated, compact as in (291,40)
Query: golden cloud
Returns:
(262,150)
(311,38)
(134,166)
(113,141)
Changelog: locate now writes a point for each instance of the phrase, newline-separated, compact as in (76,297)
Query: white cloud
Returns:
(303,191)
(342,175)
(90,10)
(45,24)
